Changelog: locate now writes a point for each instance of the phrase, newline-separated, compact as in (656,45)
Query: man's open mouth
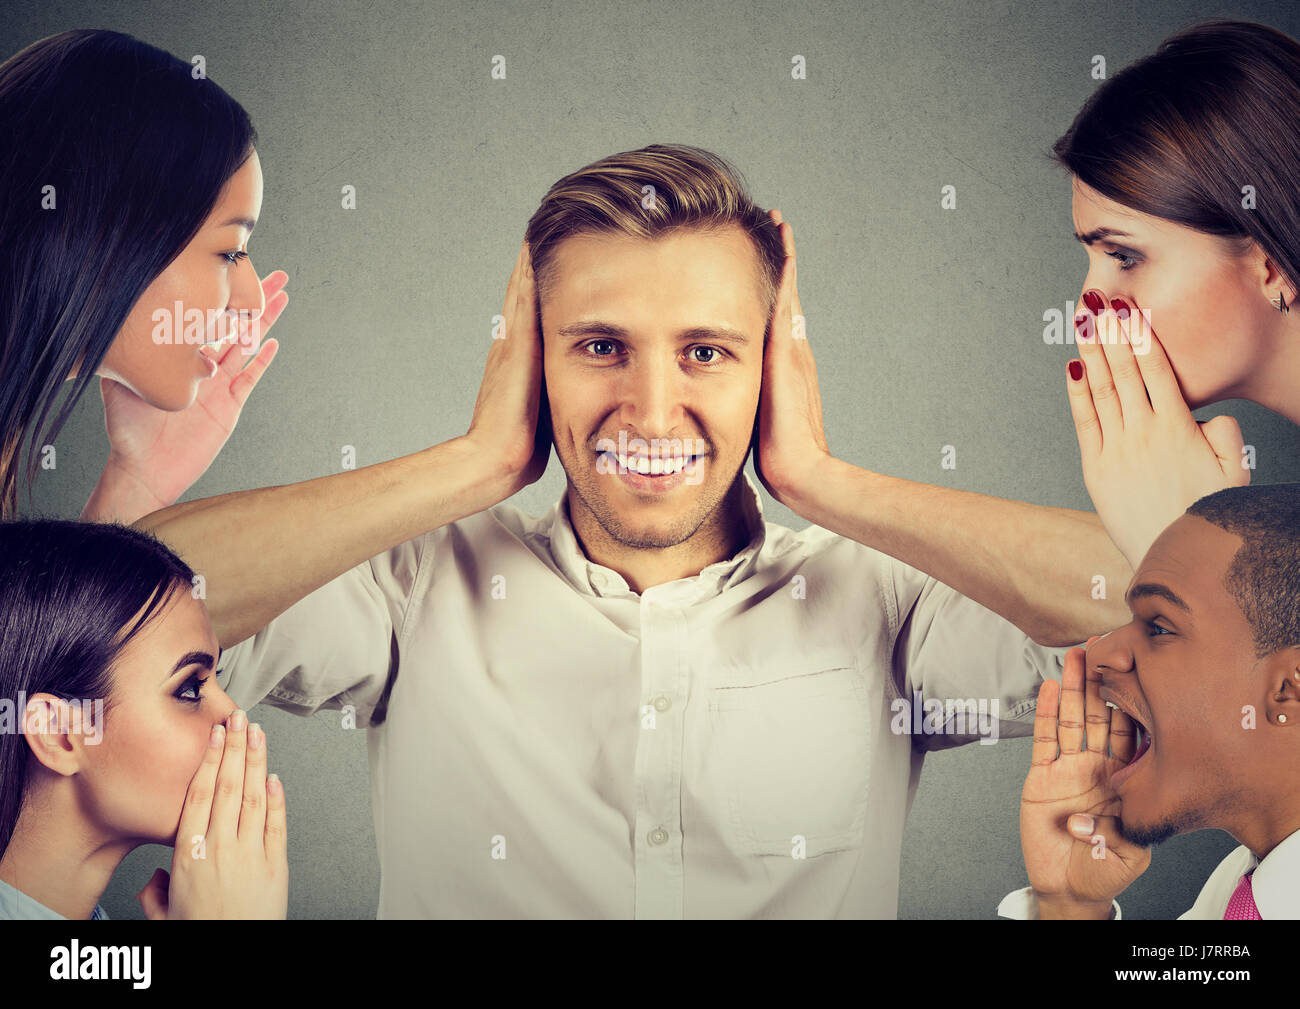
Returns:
(1143,742)
(1144,738)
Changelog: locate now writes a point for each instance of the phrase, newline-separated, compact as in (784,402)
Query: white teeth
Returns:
(652,467)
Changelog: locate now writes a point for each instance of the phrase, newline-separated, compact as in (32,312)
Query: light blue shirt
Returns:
(17,906)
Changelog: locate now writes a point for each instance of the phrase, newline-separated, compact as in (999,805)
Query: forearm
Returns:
(260,551)
(1032,564)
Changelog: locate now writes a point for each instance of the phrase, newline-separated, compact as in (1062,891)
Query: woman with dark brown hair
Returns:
(1186,193)
(1186,179)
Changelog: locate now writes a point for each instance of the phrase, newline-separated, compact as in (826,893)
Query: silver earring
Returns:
(1281,718)
(1280,303)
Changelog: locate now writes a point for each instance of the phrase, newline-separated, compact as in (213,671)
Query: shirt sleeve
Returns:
(1021,905)
(339,646)
(951,653)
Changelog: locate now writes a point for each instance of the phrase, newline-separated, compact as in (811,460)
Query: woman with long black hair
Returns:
(114,733)
(129,187)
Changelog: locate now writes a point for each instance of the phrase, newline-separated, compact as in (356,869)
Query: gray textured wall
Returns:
(926,324)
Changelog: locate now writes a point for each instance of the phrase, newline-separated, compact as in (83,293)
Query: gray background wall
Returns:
(926,324)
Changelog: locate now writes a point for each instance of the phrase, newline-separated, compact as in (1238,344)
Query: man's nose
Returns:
(1111,654)
(653,397)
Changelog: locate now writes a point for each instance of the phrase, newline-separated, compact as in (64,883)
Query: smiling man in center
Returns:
(649,701)
(625,365)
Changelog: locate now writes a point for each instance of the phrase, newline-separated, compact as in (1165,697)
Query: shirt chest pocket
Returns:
(789,759)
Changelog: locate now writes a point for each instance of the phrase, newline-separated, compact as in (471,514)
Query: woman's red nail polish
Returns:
(1076,370)
(1121,309)
(1082,325)
(1095,302)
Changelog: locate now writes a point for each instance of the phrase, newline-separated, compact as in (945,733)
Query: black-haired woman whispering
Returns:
(129,188)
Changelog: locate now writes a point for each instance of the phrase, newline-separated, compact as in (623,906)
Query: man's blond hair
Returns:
(648,193)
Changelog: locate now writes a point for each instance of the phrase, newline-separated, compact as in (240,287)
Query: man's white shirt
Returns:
(544,742)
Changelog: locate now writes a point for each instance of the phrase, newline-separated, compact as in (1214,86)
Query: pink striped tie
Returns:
(1241,906)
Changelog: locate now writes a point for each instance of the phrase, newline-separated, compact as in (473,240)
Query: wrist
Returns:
(121,496)
(472,473)
(804,488)
(1061,906)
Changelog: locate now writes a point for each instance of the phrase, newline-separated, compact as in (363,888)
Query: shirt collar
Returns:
(16,905)
(596,579)
(1276,882)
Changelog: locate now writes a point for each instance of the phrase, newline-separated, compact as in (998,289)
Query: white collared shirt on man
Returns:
(544,742)
(1275,885)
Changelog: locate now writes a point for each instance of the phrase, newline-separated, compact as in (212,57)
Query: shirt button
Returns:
(658,836)
(662,703)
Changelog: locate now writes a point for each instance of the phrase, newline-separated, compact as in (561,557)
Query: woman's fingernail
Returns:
(215,736)
(1083,823)
(1076,370)
(255,736)
(273,784)
(1095,302)
(237,721)
(1121,309)
(1082,327)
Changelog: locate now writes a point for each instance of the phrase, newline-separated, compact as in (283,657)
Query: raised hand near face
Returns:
(1077,860)
(1145,457)
(789,439)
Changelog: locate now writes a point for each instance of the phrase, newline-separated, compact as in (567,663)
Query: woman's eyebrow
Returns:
(195,658)
(244,222)
(1088,237)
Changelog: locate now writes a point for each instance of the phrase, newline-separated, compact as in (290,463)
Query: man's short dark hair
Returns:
(1264,576)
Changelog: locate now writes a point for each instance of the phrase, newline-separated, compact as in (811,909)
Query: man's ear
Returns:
(1282,671)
